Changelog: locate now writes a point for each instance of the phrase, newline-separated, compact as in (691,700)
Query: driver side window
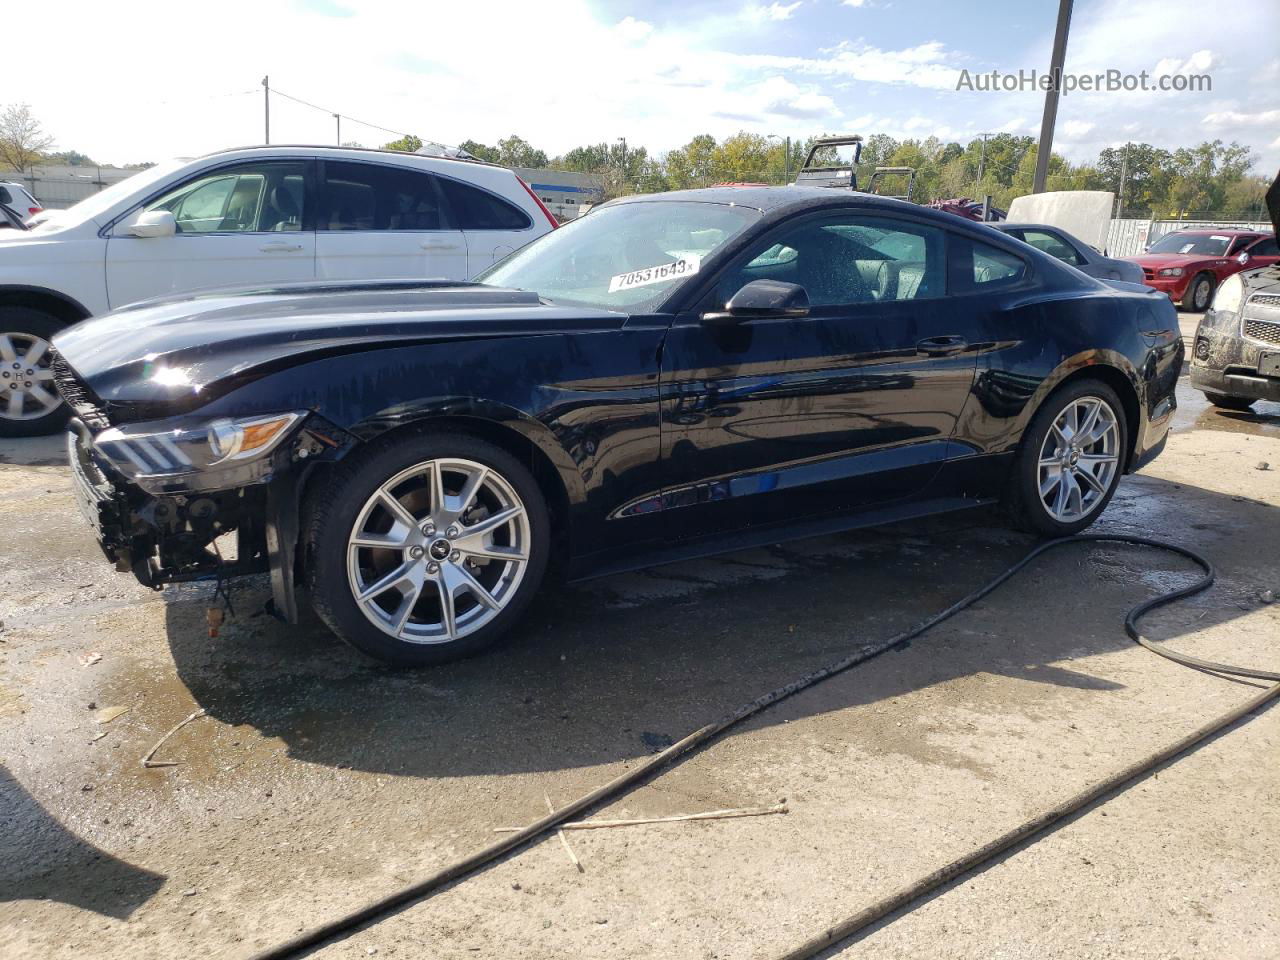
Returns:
(848,259)
(249,198)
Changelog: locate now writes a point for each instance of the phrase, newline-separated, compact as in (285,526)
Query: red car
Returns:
(1188,265)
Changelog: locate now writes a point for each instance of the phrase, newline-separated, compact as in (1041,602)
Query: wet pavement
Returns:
(317,780)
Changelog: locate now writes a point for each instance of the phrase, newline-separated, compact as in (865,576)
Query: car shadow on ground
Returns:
(43,860)
(617,668)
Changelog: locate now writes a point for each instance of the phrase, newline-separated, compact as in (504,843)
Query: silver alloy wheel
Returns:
(438,551)
(1079,459)
(26,382)
(1200,295)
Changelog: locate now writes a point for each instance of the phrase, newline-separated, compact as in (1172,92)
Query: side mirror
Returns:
(759,299)
(155,223)
(1243,258)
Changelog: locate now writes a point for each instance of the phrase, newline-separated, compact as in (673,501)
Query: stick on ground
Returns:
(149,763)
(563,839)
(679,818)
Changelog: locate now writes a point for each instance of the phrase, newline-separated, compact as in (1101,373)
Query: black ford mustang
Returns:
(671,375)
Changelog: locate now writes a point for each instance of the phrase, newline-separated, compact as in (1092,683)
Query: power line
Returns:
(332,113)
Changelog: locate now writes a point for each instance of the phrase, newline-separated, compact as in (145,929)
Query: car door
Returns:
(851,406)
(243,224)
(1264,253)
(493,226)
(383,221)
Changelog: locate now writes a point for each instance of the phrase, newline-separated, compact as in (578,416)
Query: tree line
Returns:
(1209,180)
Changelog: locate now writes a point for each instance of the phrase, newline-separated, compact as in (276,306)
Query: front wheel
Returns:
(1199,293)
(427,550)
(1070,461)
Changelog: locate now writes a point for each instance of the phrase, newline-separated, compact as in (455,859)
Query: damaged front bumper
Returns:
(182,535)
(1237,352)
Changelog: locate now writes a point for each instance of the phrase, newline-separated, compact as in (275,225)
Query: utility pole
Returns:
(338,118)
(622,177)
(1056,60)
(1124,167)
(266,110)
(982,160)
(786,163)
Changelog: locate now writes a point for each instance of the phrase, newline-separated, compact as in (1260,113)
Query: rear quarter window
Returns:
(974,266)
(475,209)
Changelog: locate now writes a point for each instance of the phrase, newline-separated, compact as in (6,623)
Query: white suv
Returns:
(261,215)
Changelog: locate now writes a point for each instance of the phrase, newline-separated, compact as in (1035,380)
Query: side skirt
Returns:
(593,566)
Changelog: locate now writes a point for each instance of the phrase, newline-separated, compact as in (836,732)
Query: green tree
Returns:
(23,141)
(479,150)
(71,158)
(406,144)
(514,151)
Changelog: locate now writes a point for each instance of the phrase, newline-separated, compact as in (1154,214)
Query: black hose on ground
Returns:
(839,931)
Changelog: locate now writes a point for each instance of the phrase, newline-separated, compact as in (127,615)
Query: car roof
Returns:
(770,199)
(322,149)
(1206,231)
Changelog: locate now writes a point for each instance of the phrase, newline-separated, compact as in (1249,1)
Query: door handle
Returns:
(439,246)
(941,346)
(280,247)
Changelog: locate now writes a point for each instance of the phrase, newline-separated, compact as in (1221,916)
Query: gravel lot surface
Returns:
(319,780)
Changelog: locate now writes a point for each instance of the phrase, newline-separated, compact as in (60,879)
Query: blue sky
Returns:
(567,72)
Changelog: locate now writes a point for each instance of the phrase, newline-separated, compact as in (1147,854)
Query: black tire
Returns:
(1024,501)
(333,510)
(1227,402)
(20,322)
(1199,293)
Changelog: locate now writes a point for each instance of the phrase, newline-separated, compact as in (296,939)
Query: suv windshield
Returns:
(1204,244)
(624,257)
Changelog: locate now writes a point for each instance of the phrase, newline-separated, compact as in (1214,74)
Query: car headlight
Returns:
(1169,272)
(153,454)
(1228,296)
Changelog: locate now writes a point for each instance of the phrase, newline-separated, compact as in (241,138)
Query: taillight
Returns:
(541,206)
(32,211)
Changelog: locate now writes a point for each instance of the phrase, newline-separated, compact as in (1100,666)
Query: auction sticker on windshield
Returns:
(683,267)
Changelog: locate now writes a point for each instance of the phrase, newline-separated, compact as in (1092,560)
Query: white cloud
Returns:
(925,65)
(854,3)
(632,29)
(780,97)
(1234,118)
(774,11)
(1075,129)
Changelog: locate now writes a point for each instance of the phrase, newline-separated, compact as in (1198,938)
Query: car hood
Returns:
(1160,260)
(184,352)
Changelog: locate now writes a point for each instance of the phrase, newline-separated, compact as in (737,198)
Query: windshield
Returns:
(624,257)
(99,203)
(1203,244)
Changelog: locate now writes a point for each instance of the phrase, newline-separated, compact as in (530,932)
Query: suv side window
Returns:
(475,209)
(1266,247)
(1054,245)
(5,198)
(246,198)
(848,259)
(375,196)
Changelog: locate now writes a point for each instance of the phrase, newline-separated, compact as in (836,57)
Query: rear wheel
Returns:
(1071,460)
(29,404)
(427,550)
(1199,293)
(1227,402)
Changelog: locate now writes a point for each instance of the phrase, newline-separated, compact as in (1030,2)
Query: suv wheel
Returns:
(1199,293)
(1227,402)
(1071,460)
(427,550)
(29,404)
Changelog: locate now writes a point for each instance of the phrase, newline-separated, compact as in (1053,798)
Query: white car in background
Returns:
(16,197)
(259,215)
